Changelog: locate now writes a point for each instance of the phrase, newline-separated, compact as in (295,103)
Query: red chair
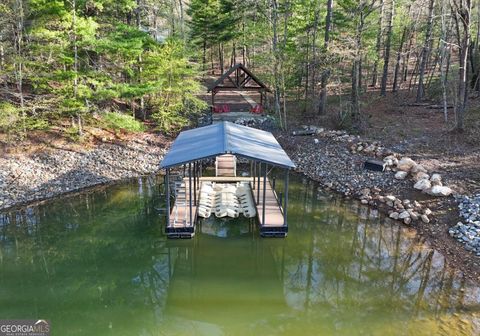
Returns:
(217,109)
(257,109)
(226,108)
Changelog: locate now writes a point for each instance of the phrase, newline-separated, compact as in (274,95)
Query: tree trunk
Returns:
(220,57)
(286,14)
(356,70)
(75,62)
(276,76)
(444,53)
(204,58)
(425,53)
(399,57)
(2,57)
(314,51)
(406,59)
(233,60)
(182,19)
(307,70)
(462,11)
(18,66)
(378,44)
(325,74)
(212,63)
(388,42)
(140,60)
(244,45)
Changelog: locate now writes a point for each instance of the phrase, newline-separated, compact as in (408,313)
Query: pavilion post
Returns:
(167,195)
(195,183)
(264,193)
(285,203)
(190,191)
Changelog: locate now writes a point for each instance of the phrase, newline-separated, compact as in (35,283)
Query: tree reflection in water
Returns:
(98,263)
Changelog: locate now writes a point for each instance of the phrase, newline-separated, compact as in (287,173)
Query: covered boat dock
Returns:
(225,142)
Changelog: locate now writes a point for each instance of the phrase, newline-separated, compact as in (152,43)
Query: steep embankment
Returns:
(51,171)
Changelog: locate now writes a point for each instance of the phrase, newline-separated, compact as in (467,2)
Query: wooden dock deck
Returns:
(274,225)
(179,226)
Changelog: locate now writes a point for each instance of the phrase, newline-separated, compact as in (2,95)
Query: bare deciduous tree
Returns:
(461,12)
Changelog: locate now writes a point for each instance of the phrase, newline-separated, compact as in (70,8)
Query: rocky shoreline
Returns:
(467,231)
(52,172)
(405,191)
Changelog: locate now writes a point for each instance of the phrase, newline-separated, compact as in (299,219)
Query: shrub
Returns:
(119,121)
(72,133)
(173,117)
(9,117)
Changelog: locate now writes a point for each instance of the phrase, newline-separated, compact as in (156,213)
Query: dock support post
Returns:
(167,195)
(195,183)
(198,176)
(254,172)
(190,191)
(264,192)
(285,203)
(258,182)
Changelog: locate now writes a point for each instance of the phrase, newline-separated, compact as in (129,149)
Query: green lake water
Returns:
(98,263)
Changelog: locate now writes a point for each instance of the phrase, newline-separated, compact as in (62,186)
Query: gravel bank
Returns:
(467,232)
(54,171)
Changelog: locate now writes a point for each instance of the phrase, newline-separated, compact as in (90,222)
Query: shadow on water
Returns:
(99,264)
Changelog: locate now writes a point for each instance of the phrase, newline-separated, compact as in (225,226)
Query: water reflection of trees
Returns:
(94,257)
(101,256)
(348,260)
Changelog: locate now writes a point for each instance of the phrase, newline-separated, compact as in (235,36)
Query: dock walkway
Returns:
(226,165)
(274,225)
(180,225)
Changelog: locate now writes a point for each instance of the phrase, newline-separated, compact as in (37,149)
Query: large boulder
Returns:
(420,176)
(422,185)
(390,198)
(401,175)
(390,160)
(405,164)
(439,191)
(436,180)
(394,215)
(418,168)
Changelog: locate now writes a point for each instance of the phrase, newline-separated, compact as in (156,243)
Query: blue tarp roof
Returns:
(226,138)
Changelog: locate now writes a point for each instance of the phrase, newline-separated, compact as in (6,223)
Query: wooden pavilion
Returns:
(239,78)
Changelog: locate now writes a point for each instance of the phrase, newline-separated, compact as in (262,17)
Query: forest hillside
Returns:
(136,64)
